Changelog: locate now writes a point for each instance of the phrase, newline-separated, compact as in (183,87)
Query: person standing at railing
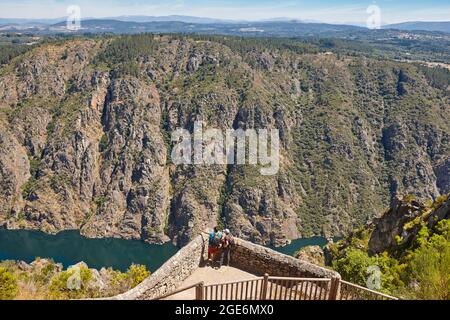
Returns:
(214,242)
(226,246)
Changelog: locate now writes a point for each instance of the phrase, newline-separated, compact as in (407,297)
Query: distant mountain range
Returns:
(19,21)
(443,26)
(262,28)
(177,23)
(178,18)
(126,18)
(268,28)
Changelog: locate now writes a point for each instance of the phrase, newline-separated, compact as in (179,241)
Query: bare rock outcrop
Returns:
(311,254)
(401,223)
(85,128)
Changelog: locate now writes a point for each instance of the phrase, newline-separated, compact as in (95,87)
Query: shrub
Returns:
(8,285)
(44,276)
(429,266)
(354,267)
(34,166)
(430,273)
(136,274)
(58,181)
(9,52)
(29,188)
(60,287)
(100,200)
(125,281)
(409,198)
(103,144)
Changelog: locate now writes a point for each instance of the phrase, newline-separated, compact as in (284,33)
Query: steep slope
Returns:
(409,246)
(85,137)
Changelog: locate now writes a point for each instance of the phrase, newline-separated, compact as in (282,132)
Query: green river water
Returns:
(69,247)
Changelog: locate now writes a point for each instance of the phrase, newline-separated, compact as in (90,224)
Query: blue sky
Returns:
(344,11)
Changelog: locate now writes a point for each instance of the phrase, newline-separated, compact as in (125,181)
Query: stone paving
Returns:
(210,275)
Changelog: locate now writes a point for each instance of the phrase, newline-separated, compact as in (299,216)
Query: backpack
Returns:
(217,238)
(231,240)
(211,238)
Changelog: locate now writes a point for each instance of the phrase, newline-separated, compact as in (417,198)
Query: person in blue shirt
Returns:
(215,238)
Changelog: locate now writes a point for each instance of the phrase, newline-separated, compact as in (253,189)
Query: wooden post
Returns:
(334,288)
(199,291)
(264,287)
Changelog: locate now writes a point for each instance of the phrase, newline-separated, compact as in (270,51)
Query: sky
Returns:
(337,11)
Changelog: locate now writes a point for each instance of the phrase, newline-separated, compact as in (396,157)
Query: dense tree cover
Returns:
(121,55)
(9,52)
(419,271)
(355,265)
(428,267)
(438,77)
(244,44)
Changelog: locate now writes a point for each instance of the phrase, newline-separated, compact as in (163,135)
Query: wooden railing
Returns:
(237,290)
(351,291)
(283,288)
(272,288)
(196,286)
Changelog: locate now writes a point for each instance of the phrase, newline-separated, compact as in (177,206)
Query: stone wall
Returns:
(245,255)
(171,274)
(259,260)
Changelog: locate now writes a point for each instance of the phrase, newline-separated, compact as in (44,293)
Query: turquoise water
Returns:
(296,245)
(69,247)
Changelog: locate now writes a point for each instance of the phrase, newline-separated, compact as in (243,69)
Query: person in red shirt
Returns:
(214,243)
(227,243)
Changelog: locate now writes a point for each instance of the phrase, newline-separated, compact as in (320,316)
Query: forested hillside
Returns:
(85,136)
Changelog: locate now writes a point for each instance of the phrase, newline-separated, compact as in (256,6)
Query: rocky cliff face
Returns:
(395,231)
(312,254)
(85,138)
(402,222)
